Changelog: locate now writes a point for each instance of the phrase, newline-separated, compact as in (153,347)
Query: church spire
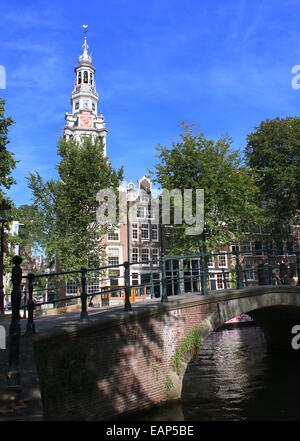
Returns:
(84,119)
(85,57)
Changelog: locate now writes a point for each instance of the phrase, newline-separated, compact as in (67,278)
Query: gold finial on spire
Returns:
(85,26)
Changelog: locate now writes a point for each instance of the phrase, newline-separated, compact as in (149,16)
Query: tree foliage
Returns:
(7,161)
(195,162)
(273,152)
(65,209)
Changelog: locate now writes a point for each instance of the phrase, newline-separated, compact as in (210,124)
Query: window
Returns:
(93,286)
(155,256)
(77,105)
(220,281)
(249,272)
(145,256)
(246,248)
(79,77)
(258,248)
(222,261)
(235,247)
(257,229)
(71,287)
(140,212)
(93,106)
(113,234)
(145,197)
(113,256)
(154,229)
(135,279)
(85,77)
(211,262)
(91,78)
(135,255)
(145,231)
(134,231)
(149,212)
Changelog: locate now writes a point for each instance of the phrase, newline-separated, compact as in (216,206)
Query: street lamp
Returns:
(4,217)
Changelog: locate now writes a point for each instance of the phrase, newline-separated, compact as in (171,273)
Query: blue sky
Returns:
(224,65)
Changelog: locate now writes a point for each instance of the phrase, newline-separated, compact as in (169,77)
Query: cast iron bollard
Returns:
(13,375)
(203,275)
(127,306)
(30,328)
(83,315)
(239,280)
(164,295)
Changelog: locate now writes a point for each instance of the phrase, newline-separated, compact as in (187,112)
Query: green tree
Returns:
(65,209)
(7,161)
(195,162)
(273,152)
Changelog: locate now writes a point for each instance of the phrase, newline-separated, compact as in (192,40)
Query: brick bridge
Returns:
(122,362)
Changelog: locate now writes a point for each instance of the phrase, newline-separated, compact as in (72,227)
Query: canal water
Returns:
(236,377)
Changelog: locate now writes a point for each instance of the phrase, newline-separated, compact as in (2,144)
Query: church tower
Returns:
(84,119)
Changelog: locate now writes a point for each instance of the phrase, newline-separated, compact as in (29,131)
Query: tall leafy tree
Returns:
(273,152)
(7,165)
(65,209)
(7,161)
(195,162)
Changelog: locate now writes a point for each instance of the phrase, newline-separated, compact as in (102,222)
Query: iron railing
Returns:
(192,273)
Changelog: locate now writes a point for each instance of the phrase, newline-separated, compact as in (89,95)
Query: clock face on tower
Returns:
(85,120)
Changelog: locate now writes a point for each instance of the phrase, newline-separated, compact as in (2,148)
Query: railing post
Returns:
(13,374)
(224,279)
(203,275)
(246,278)
(239,280)
(152,285)
(30,328)
(127,306)
(298,267)
(164,295)
(270,270)
(180,276)
(83,315)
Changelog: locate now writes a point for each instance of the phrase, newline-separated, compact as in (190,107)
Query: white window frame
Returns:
(213,262)
(140,209)
(137,255)
(218,277)
(148,229)
(148,258)
(135,228)
(156,250)
(155,229)
(250,268)
(222,256)
(108,256)
(113,230)
(248,253)
(74,287)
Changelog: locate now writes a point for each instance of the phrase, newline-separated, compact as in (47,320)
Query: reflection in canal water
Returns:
(236,377)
